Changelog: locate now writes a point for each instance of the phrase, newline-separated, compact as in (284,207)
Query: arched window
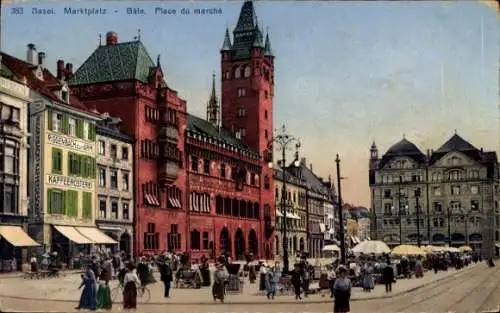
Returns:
(227,75)
(237,72)
(247,72)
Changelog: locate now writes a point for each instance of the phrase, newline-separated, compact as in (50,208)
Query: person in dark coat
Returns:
(166,277)
(388,277)
(342,292)
(296,280)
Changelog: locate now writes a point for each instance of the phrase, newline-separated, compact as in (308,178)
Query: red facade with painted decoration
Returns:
(202,185)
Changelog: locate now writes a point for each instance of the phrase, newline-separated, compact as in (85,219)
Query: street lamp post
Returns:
(449,226)
(341,217)
(284,140)
(417,206)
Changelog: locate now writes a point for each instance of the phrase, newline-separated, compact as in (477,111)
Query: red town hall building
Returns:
(202,185)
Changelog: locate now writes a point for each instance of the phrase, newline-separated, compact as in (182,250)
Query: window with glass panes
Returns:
(102,208)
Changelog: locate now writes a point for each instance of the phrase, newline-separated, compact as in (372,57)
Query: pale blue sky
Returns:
(346,73)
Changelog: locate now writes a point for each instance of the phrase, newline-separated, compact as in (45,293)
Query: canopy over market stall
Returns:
(371,247)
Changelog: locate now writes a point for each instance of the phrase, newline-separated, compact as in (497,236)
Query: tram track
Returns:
(473,300)
(421,298)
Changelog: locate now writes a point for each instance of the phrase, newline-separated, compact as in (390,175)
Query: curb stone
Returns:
(268,302)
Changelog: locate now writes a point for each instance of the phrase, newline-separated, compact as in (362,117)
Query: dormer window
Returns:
(65,94)
(39,73)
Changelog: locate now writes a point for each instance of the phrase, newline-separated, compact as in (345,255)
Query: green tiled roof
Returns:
(196,124)
(122,61)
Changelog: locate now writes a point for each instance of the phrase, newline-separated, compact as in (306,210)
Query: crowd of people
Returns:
(133,275)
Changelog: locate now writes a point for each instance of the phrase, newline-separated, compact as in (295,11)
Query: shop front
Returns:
(13,247)
(71,243)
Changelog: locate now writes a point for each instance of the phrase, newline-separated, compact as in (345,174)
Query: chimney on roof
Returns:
(41,59)
(111,38)
(69,71)
(303,161)
(31,55)
(60,69)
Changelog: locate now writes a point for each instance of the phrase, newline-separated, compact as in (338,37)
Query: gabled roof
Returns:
(456,143)
(45,87)
(199,125)
(290,178)
(116,62)
(313,182)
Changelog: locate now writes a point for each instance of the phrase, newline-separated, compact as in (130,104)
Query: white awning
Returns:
(322,227)
(291,215)
(16,236)
(295,216)
(72,234)
(278,213)
(96,235)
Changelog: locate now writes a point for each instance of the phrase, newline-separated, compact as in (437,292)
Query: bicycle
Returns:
(143,293)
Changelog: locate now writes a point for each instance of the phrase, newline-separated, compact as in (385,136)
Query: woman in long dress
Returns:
(88,299)
(367,282)
(219,280)
(104,292)
(342,292)
(130,282)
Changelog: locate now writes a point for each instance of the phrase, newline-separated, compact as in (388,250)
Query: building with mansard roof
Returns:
(202,184)
(449,196)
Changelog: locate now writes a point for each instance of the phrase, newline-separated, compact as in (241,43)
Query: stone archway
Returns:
(125,243)
(239,244)
(301,245)
(253,243)
(225,241)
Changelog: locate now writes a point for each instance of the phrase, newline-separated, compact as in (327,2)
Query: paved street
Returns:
(471,290)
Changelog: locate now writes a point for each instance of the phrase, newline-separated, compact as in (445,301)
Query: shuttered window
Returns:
(56,201)
(87,205)
(79,128)
(56,161)
(71,203)
(49,119)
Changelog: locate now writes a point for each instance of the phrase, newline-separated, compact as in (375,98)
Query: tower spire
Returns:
(268,51)
(213,106)
(226,45)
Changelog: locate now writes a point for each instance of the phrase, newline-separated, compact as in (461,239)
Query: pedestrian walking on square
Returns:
(166,277)
(342,292)
(88,299)
(131,283)
(388,276)
(220,277)
(271,283)
(296,280)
